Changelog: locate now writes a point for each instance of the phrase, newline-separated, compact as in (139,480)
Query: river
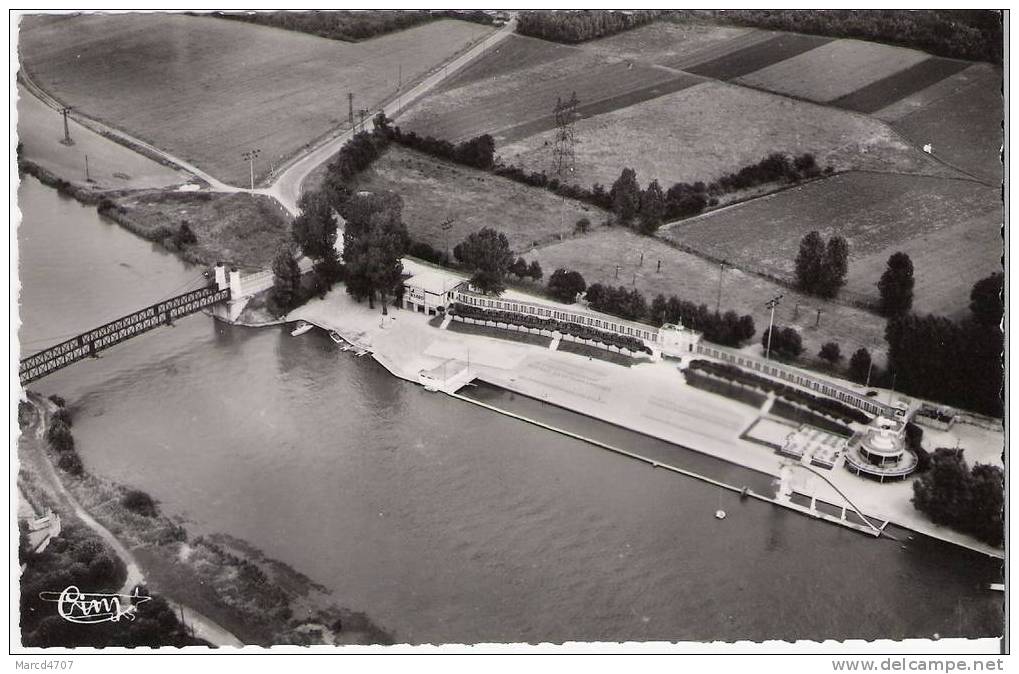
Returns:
(443,521)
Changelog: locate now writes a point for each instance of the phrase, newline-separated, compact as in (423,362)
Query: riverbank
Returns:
(222,585)
(649,398)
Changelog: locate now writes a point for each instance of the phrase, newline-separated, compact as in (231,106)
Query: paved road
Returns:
(287,187)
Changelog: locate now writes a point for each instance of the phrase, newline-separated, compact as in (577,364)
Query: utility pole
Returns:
(818,321)
(350,107)
(446,226)
(88,178)
(771,304)
(399,89)
(249,157)
(870,368)
(563,156)
(718,300)
(67,132)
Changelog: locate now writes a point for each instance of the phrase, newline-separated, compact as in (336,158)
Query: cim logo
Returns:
(85,608)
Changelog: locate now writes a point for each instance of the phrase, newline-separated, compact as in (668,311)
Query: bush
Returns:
(425,251)
(785,342)
(140,503)
(57,400)
(70,462)
(63,416)
(565,285)
(184,236)
(830,352)
(59,436)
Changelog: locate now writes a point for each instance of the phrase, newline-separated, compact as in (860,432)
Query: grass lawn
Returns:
(110,164)
(833,69)
(690,277)
(713,128)
(499,333)
(434,190)
(244,230)
(597,352)
(950,228)
(206,89)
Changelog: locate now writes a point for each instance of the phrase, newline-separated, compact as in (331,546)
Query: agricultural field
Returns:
(434,190)
(690,277)
(889,90)
(516,52)
(745,60)
(671,44)
(714,128)
(206,89)
(514,103)
(942,224)
(960,117)
(832,70)
(111,165)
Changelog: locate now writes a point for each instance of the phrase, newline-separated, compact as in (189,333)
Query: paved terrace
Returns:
(651,398)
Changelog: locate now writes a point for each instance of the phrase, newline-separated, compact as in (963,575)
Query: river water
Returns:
(443,521)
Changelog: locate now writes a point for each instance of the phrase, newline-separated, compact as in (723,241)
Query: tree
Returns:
(942,493)
(625,195)
(374,241)
(971,501)
(859,366)
(184,236)
(519,268)
(486,253)
(810,262)
(836,266)
(314,230)
(652,208)
(59,436)
(896,286)
(565,285)
(987,300)
(286,283)
(70,462)
(139,502)
(785,342)
(534,271)
(830,352)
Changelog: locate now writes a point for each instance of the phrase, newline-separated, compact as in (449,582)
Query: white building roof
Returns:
(434,282)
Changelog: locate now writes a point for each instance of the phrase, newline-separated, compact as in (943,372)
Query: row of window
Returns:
(546,312)
(794,377)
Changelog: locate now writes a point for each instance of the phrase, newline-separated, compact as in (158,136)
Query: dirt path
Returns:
(202,627)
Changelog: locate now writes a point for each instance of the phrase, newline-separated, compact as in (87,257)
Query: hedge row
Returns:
(538,323)
(823,405)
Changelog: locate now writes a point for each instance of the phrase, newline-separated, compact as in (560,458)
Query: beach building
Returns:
(428,291)
(881,453)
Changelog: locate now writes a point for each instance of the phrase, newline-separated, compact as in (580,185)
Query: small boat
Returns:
(997,587)
(360,352)
(744,492)
(335,336)
(302,327)
(719,514)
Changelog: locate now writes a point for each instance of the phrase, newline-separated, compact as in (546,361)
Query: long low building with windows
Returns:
(430,293)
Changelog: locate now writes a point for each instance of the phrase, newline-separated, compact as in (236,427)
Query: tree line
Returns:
(572,27)
(973,34)
(967,499)
(352,26)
